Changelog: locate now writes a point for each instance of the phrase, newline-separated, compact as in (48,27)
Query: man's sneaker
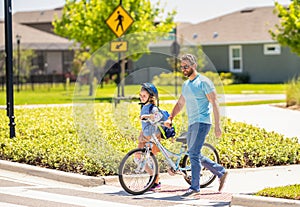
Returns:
(155,186)
(189,193)
(222,181)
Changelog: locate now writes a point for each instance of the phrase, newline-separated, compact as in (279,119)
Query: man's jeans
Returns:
(195,139)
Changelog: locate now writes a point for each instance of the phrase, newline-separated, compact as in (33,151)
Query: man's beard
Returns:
(189,73)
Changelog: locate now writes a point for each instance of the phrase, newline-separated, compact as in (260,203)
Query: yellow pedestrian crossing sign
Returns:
(118,46)
(119,21)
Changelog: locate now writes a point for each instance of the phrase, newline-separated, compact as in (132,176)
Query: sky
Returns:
(192,11)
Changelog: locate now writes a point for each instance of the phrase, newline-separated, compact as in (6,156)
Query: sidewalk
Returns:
(269,117)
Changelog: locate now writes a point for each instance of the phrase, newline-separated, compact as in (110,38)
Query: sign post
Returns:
(175,50)
(119,22)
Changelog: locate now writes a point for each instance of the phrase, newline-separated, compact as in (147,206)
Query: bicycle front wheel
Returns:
(207,177)
(138,171)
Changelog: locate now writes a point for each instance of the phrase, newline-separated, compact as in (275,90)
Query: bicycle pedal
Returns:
(171,171)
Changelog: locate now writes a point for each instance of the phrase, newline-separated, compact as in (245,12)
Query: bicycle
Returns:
(139,167)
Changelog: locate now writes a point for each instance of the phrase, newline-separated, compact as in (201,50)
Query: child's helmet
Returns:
(151,89)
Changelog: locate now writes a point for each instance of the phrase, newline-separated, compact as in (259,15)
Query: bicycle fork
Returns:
(144,160)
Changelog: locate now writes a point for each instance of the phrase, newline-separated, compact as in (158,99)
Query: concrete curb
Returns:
(254,201)
(56,175)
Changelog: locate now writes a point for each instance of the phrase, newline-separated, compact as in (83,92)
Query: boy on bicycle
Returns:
(149,102)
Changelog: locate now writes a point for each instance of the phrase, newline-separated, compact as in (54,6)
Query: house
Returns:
(240,43)
(36,32)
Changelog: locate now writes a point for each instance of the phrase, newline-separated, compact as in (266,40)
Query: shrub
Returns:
(293,92)
(167,79)
(96,141)
(287,192)
(244,145)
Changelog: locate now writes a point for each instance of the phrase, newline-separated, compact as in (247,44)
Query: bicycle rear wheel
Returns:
(207,177)
(138,171)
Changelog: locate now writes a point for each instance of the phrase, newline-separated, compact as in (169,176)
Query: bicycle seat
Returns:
(182,138)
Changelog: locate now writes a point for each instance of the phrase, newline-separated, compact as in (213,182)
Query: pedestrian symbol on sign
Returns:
(120,19)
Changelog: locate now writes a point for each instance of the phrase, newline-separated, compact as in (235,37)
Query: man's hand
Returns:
(168,123)
(218,131)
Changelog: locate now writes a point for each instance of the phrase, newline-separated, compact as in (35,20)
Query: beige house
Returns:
(54,53)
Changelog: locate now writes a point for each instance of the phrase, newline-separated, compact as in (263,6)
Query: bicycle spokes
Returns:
(137,171)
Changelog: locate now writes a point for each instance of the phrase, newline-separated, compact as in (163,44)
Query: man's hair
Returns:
(190,58)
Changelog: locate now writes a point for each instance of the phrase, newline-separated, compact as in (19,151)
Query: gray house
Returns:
(240,43)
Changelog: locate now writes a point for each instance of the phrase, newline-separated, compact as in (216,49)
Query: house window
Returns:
(235,58)
(272,49)
(68,57)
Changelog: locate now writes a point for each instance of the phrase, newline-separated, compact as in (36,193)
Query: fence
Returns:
(37,80)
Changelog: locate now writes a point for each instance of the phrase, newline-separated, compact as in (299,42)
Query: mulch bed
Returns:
(294,107)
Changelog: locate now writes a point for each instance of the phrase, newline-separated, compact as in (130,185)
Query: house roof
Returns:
(34,17)
(35,39)
(250,25)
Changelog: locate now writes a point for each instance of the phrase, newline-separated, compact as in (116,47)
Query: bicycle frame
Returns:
(168,154)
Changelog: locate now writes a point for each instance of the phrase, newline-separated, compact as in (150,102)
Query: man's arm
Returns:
(212,98)
(178,106)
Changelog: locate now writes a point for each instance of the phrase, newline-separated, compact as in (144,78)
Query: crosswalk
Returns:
(29,191)
(38,197)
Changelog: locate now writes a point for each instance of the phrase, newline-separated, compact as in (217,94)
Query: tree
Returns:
(84,21)
(287,33)
(26,66)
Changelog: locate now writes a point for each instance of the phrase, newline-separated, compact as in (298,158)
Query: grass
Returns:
(253,102)
(58,93)
(255,89)
(287,192)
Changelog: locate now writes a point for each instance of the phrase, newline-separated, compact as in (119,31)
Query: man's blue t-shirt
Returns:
(197,105)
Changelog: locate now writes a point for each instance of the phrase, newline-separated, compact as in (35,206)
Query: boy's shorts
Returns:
(148,131)
(144,139)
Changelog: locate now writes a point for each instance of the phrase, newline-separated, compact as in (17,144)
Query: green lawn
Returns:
(57,94)
(255,89)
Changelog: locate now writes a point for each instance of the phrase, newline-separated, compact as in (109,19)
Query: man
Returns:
(199,95)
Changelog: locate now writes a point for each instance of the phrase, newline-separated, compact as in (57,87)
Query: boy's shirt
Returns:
(145,110)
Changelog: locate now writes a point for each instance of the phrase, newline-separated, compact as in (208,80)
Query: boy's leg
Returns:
(155,150)
(142,141)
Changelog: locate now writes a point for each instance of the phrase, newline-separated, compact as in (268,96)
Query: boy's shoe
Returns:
(155,186)
(189,193)
(222,181)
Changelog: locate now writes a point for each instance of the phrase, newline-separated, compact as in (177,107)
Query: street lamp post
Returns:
(9,70)
(18,37)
